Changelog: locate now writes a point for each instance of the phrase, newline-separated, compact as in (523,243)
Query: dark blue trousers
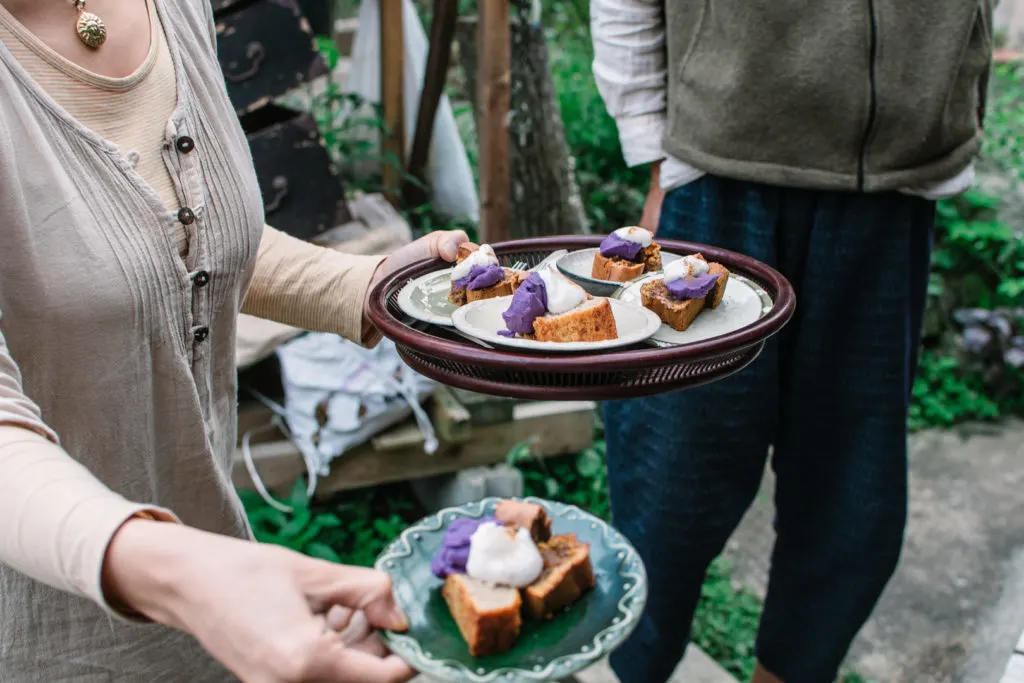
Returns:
(830,393)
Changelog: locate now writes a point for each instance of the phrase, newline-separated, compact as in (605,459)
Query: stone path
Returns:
(955,608)
(696,667)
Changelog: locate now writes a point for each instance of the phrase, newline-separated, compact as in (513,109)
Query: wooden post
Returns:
(442,31)
(392,52)
(494,76)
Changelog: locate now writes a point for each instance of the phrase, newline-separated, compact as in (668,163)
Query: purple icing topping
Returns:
(694,288)
(613,246)
(453,554)
(482,277)
(528,303)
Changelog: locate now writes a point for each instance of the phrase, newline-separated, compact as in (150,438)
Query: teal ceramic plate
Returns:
(546,651)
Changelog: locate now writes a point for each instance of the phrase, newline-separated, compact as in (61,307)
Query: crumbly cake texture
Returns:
(464,250)
(460,296)
(617,269)
(592,320)
(567,576)
(489,617)
(529,515)
(679,314)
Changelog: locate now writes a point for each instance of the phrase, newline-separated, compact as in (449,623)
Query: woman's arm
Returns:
(58,519)
(311,287)
(318,289)
(266,613)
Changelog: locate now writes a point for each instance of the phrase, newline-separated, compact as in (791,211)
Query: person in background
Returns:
(815,137)
(132,234)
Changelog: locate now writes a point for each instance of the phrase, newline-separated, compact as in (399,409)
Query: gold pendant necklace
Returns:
(91,29)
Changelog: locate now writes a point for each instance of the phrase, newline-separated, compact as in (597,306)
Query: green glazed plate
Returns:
(546,651)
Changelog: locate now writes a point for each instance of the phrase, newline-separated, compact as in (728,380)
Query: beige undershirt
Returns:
(131,112)
(294,282)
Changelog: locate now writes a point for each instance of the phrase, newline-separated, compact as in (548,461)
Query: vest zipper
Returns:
(873,105)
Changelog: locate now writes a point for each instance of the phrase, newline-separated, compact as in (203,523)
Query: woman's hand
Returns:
(268,614)
(441,244)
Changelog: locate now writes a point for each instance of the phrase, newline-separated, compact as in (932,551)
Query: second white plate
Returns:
(744,304)
(482,319)
(426,298)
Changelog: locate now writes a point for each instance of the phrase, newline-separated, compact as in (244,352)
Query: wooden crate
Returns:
(550,428)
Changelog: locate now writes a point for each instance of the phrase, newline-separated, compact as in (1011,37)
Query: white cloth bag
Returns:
(365,391)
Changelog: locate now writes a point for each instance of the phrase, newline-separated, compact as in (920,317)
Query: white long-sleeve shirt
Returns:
(631,73)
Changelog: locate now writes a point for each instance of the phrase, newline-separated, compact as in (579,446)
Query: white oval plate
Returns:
(578,265)
(426,298)
(744,303)
(482,319)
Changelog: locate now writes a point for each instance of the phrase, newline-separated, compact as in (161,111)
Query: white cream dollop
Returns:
(484,256)
(687,266)
(498,557)
(636,235)
(563,294)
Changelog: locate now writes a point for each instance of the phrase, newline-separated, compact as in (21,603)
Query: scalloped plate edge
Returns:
(630,606)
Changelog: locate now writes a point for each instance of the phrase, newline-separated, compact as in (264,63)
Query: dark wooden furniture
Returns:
(266,49)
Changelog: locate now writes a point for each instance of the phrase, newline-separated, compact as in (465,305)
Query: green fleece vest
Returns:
(866,95)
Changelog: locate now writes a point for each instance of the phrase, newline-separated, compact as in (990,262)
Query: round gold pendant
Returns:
(91,29)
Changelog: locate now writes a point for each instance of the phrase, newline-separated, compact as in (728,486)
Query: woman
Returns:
(131,228)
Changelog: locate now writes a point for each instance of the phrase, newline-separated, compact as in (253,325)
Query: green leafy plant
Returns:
(352,128)
(579,479)
(352,528)
(1004,120)
(973,348)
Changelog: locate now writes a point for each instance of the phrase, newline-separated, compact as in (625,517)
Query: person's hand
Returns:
(268,614)
(441,244)
(652,205)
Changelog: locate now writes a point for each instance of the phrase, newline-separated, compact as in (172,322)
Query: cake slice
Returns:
(462,295)
(626,254)
(718,293)
(488,616)
(528,515)
(566,577)
(590,321)
(678,314)
(617,269)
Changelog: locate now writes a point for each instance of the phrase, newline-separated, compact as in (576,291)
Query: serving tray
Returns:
(439,353)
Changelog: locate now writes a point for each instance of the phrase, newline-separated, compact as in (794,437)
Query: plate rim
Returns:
(459,322)
(404,300)
(630,606)
(760,292)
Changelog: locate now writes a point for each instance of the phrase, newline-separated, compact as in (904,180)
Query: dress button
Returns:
(200,334)
(185,144)
(201,279)
(186,217)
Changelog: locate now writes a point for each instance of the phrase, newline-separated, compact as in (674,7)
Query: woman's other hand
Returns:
(268,614)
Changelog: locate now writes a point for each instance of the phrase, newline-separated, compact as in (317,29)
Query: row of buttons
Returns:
(186,216)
